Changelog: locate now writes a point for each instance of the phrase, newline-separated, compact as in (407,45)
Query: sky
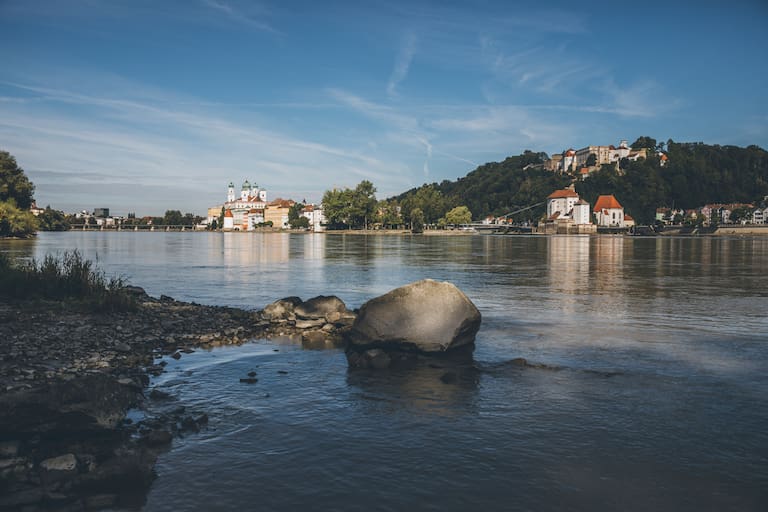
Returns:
(143,106)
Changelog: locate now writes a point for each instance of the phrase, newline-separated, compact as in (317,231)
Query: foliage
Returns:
(299,223)
(173,218)
(295,219)
(495,188)
(350,208)
(644,142)
(53,220)
(389,215)
(16,196)
(459,215)
(696,174)
(14,185)
(591,160)
(417,220)
(15,222)
(66,277)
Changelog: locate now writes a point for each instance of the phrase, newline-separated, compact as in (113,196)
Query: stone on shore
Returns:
(427,317)
(320,307)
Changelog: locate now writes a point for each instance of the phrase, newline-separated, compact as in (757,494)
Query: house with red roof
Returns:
(567,213)
(560,203)
(609,212)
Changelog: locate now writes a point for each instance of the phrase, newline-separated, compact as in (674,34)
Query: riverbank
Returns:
(69,377)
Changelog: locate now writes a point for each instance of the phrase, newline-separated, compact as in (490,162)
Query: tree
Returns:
(16,196)
(591,160)
(52,220)
(417,221)
(14,185)
(15,222)
(350,208)
(173,218)
(389,214)
(299,223)
(648,143)
(459,215)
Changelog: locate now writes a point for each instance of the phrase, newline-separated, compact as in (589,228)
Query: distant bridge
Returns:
(142,227)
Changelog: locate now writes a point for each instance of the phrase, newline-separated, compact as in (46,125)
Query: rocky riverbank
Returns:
(68,378)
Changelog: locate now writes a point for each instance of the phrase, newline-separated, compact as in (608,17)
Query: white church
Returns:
(245,211)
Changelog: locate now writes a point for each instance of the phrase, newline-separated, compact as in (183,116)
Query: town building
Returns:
(276,212)
(560,203)
(721,213)
(576,160)
(609,213)
(35,210)
(316,217)
(567,213)
(246,209)
(229,221)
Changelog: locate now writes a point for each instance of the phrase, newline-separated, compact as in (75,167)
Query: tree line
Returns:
(695,174)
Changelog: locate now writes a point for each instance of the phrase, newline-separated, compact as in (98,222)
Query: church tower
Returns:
(245,191)
(231,192)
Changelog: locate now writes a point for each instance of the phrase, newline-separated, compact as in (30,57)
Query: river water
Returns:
(656,397)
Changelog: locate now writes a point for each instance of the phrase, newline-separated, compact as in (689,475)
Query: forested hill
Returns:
(495,188)
(696,174)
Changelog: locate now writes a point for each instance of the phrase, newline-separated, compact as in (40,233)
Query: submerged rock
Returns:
(425,317)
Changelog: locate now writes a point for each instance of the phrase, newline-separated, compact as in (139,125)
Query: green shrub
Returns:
(63,277)
(15,222)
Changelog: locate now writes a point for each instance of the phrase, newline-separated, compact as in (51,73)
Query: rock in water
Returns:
(426,316)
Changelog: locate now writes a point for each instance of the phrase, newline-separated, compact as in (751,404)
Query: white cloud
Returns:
(124,139)
(402,64)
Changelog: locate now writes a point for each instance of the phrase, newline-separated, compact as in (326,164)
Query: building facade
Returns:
(608,212)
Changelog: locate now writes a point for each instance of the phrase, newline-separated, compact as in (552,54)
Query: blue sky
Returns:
(143,106)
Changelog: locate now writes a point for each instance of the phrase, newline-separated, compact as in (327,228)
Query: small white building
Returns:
(229,221)
(609,212)
(315,216)
(760,216)
(560,203)
(580,213)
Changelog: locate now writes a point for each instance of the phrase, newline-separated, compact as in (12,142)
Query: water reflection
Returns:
(437,388)
(568,262)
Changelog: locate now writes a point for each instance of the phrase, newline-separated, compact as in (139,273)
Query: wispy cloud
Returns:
(402,64)
(242,15)
(126,139)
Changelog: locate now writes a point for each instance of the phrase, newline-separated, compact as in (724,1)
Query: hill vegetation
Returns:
(16,196)
(696,174)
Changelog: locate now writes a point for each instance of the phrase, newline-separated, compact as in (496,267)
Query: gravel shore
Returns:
(68,378)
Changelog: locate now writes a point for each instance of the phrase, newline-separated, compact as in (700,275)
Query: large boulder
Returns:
(423,317)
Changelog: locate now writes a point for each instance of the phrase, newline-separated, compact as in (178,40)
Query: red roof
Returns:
(566,192)
(628,217)
(606,202)
(228,213)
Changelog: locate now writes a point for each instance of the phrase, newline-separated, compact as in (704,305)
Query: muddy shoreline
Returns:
(68,377)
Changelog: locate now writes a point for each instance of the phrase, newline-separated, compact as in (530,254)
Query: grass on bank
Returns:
(68,278)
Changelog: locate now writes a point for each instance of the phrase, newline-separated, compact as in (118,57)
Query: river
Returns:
(656,397)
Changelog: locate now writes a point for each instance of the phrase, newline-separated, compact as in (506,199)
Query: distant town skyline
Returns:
(147,106)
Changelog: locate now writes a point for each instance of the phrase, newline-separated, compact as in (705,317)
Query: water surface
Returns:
(659,401)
